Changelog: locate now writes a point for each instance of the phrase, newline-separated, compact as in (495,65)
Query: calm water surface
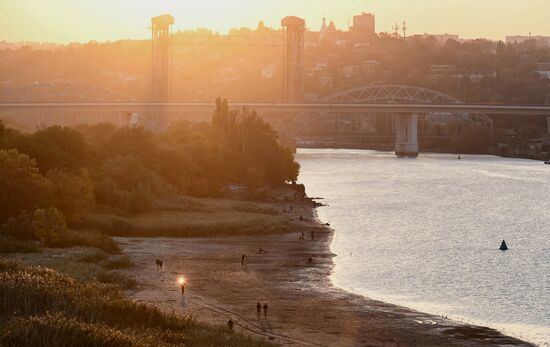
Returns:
(425,233)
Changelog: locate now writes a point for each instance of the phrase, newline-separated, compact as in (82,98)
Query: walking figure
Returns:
(230,325)
(258,309)
(243,259)
(183,288)
(312,234)
(159,264)
(265,310)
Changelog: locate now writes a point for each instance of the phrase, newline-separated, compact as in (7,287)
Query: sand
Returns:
(304,306)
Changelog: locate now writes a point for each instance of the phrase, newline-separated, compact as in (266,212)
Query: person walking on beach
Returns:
(182,288)
(258,309)
(243,259)
(265,310)
(230,325)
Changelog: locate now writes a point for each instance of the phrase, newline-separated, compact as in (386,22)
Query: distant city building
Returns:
(438,72)
(268,71)
(540,40)
(350,71)
(330,35)
(364,28)
(370,66)
(440,38)
(543,69)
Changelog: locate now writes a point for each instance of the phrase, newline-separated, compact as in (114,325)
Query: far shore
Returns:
(305,308)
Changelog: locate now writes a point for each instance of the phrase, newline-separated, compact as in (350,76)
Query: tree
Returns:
(140,199)
(56,147)
(71,193)
(21,185)
(49,226)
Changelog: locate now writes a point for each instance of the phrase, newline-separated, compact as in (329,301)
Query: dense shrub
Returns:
(19,227)
(89,238)
(13,245)
(71,193)
(22,187)
(50,227)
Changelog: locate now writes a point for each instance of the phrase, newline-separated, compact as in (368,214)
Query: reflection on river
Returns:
(425,233)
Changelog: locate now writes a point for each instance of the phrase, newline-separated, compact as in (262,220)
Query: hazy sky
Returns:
(85,20)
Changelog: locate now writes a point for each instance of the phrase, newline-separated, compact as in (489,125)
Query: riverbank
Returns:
(304,306)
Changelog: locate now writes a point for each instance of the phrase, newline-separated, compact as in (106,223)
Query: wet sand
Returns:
(304,307)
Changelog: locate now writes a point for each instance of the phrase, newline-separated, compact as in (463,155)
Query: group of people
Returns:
(259,309)
(230,324)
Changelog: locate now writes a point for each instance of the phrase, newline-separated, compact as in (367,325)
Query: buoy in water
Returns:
(503,246)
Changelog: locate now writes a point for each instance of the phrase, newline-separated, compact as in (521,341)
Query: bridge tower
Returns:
(161,30)
(294,29)
(406,135)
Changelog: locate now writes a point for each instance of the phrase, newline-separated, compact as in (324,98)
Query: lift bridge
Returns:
(403,105)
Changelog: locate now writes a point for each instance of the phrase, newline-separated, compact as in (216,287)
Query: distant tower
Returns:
(162,57)
(364,28)
(396,30)
(294,31)
(405,29)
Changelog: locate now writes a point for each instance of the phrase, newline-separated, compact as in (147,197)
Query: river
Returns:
(424,233)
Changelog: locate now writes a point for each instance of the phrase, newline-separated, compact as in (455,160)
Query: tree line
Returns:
(51,178)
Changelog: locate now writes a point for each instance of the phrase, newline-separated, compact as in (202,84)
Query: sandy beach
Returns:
(304,307)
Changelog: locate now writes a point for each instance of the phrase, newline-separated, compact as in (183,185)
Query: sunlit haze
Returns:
(101,20)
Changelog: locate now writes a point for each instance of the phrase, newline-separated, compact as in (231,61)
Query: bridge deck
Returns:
(283,107)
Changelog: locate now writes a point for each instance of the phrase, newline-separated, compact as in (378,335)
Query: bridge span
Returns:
(406,114)
(519,110)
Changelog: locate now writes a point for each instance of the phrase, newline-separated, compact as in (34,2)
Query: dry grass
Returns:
(12,245)
(41,307)
(200,218)
(84,265)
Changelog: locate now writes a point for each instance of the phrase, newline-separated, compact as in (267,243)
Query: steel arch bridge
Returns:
(62,92)
(405,94)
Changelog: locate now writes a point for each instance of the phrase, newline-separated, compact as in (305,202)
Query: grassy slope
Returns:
(201,218)
(41,307)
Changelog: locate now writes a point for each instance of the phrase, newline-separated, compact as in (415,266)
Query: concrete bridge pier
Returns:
(406,135)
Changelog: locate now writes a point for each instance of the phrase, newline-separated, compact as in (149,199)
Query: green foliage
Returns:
(50,227)
(253,144)
(254,178)
(19,227)
(55,147)
(106,192)
(140,199)
(21,185)
(133,169)
(14,245)
(40,307)
(89,238)
(72,194)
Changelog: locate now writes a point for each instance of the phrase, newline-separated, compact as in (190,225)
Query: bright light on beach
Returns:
(181,280)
